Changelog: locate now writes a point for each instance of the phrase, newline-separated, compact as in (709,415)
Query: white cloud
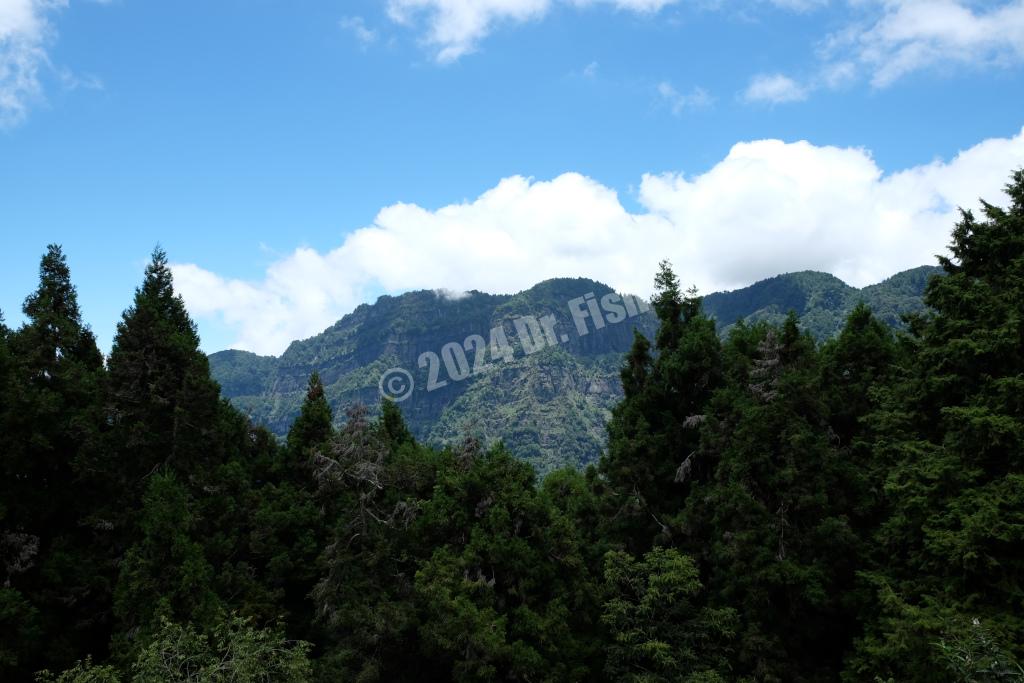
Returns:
(364,35)
(767,207)
(891,39)
(911,35)
(24,33)
(454,28)
(590,70)
(774,89)
(698,98)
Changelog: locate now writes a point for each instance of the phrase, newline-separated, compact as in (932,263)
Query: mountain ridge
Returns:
(549,405)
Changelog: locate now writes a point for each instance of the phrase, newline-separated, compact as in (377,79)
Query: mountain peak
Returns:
(550,406)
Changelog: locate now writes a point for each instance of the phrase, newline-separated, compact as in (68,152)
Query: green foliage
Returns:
(504,583)
(658,631)
(651,437)
(550,408)
(769,508)
(821,301)
(165,575)
(971,653)
(950,430)
(82,672)
(233,652)
(163,403)
(51,376)
(775,513)
(312,428)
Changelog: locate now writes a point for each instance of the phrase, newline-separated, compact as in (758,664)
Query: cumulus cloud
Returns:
(453,28)
(774,89)
(767,207)
(24,33)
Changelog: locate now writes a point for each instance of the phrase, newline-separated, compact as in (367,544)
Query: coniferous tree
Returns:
(658,631)
(50,427)
(165,575)
(861,360)
(170,430)
(650,436)
(774,518)
(952,434)
(364,596)
(767,510)
(288,528)
(394,426)
(500,591)
(314,425)
(163,403)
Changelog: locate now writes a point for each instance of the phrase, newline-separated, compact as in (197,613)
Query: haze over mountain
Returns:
(549,406)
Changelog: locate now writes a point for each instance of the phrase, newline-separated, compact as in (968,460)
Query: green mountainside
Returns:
(549,406)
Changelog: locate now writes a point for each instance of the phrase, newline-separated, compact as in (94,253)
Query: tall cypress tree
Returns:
(288,528)
(174,447)
(51,422)
(952,430)
(162,400)
(650,435)
(314,425)
(771,524)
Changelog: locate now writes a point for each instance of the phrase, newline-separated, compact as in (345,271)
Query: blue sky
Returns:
(296,159)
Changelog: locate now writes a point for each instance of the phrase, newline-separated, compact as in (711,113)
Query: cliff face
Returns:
(545,384)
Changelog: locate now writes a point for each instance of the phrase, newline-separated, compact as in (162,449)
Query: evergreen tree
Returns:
(288,527)
(861,360)
(952,433)
(364,595)
(165,575)
(50,424)
(163,404)
(177,450)
(394,426)
(651,435)
(658,632)
(772,524)
(314,425)
(503,593)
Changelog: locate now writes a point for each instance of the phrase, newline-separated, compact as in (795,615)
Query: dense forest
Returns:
(769,508)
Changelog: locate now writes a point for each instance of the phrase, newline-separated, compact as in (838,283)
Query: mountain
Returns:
(822,301)
(538,369)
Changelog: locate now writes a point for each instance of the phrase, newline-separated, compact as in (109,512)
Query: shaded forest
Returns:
(769,508)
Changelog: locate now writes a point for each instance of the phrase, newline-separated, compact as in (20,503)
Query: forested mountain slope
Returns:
(550,407)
